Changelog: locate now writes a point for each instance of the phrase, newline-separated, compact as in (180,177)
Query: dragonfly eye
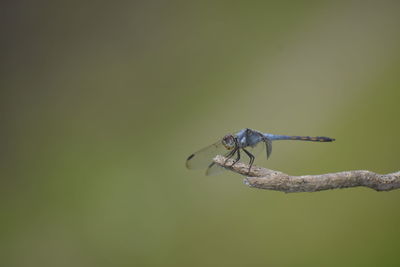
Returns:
(228,141)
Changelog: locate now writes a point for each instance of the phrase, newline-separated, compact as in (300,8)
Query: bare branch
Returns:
(274,180)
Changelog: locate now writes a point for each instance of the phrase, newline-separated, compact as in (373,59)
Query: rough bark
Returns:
(275,180)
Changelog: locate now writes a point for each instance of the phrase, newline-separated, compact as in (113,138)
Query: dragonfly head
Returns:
(229,141)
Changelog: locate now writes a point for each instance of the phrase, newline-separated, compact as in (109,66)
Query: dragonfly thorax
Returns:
(248,137)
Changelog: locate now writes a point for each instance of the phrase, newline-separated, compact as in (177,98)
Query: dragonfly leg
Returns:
(234,150)
(237,158)
(251,156)
(230,155)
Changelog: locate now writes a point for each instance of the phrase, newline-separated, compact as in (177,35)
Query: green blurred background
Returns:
(102,102)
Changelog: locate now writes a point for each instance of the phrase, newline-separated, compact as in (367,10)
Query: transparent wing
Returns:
(214,169)
(261,146)
(257,149)
(202,159)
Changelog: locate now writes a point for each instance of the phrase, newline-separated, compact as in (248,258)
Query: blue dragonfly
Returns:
(244,140)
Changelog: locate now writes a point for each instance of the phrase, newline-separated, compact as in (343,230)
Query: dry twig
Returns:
(274,180)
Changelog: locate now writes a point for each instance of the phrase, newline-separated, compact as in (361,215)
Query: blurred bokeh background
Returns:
(102,102)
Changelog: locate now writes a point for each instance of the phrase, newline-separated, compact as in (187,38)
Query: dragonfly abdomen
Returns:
(301,138)
(313,139)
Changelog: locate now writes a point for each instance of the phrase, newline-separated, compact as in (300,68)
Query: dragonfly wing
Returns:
(257,149)
(261,146)
(268,144)
(214,169)
(203,158)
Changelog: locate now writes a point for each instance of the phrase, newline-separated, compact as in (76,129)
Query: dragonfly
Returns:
(244,140)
